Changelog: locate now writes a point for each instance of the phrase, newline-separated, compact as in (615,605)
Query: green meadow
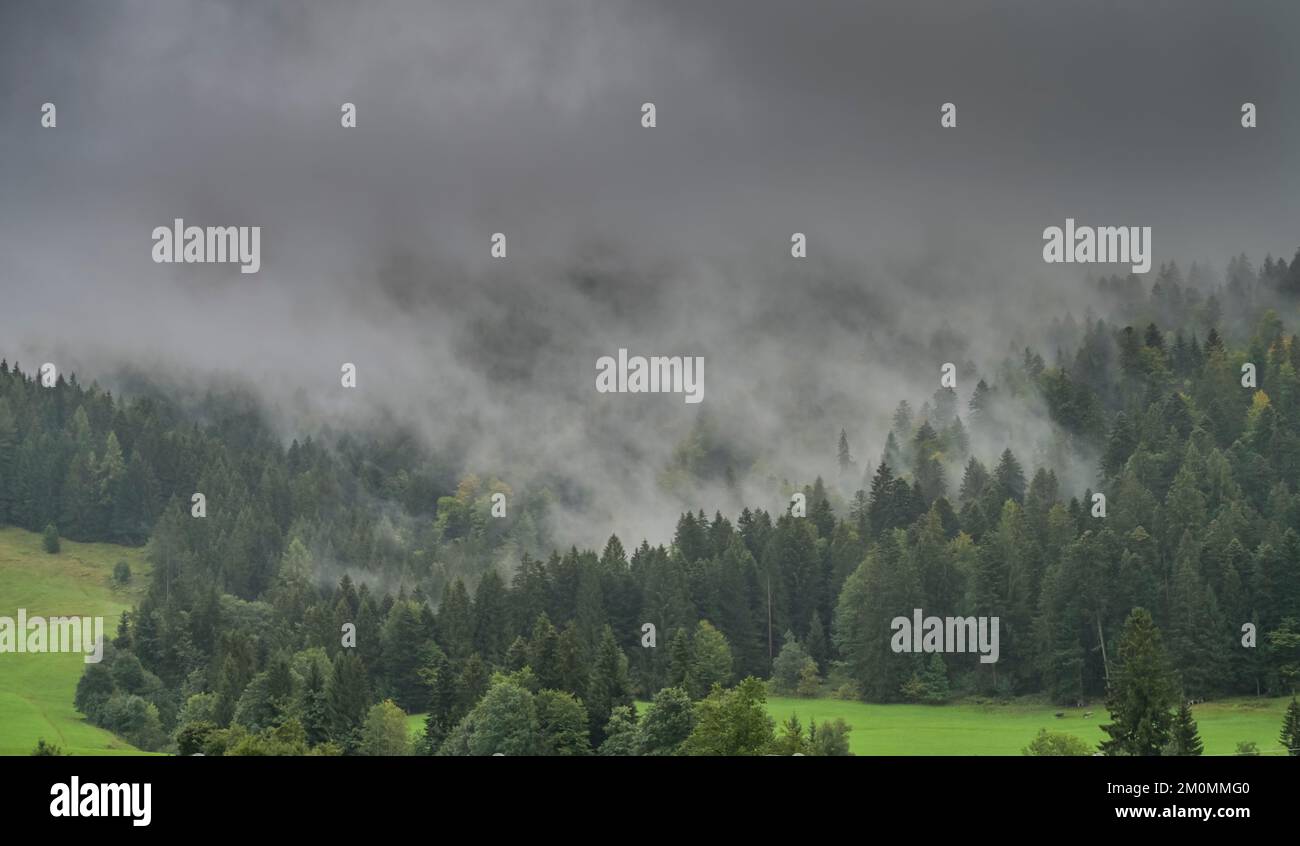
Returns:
(1003,729)
(36,690)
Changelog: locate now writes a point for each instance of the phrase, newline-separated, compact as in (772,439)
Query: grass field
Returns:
(964,729)
(36,690)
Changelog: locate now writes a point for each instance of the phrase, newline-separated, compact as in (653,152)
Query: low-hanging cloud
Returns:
(524,118)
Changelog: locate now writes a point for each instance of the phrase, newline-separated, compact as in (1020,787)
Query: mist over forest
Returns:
(329,506)
(516,119)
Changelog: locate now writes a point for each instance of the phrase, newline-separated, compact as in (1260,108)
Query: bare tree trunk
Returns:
(1101,638)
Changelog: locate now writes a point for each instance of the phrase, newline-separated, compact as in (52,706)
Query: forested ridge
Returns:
(466,616)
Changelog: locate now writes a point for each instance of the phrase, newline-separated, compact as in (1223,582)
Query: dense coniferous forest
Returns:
(513,641)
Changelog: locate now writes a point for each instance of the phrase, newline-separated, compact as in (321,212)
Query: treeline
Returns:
(100,469)
(1196,456)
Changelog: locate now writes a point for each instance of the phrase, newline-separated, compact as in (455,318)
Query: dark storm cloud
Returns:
(523,118)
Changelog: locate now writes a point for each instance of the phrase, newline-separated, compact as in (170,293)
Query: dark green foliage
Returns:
(1186,740)
(829,739)
(194,737)
(609,687)
(621,736)
(788,664)
(43,749)
(1290,737)
(929,683)
(562,724)
(667,722)
(1142,692)
(50,540)
(347,700)
(503,722)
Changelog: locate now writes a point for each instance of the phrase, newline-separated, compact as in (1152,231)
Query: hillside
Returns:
(36,691)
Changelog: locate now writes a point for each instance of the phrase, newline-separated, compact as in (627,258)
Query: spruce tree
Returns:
(347,699)
(1186,739)
(543,653)
(1009,479)
(444,700)
(1290,738)
(1141,693)
(609,686)
(679,658)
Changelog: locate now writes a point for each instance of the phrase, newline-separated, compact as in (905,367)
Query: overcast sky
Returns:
(524,118)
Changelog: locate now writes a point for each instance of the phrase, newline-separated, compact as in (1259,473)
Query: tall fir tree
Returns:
(1142,691)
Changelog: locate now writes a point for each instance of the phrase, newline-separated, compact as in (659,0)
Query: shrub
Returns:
(809,680)
(51,539)
(830,739)
(1057,744)
(43,749)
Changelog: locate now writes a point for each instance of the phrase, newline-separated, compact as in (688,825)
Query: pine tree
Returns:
(444,700)
(926,468)
(885,582)
(347,699)
(8,458)
(475,678)
(543,653)
(609,687)
(1009,479)
(403,647)
(845,457)
(491,617)
(1141,693)
(570,663)
(736,576)
(902,424)
(1290,738)
(980,408)
(313,711)
(1186,740)
(517,655)
(455,622)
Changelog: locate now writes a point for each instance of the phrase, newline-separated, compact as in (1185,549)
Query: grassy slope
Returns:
(965,729)
(36,690)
